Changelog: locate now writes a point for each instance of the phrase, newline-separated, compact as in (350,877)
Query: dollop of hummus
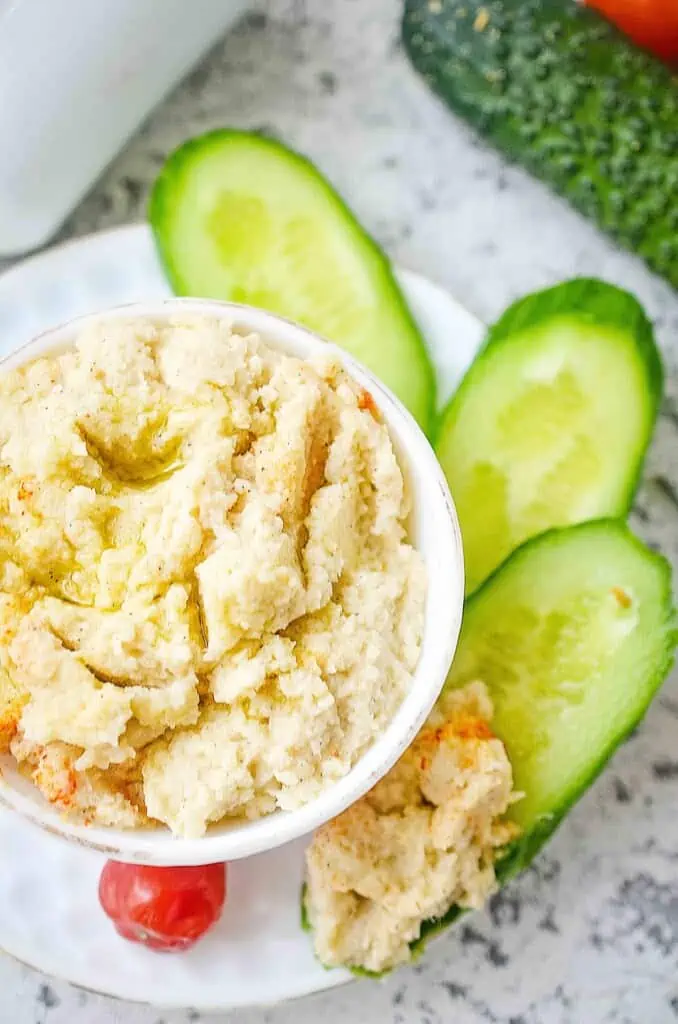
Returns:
(424,839)
(209,607)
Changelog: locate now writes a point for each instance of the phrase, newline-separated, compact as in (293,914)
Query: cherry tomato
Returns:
(652,24)
(167,909)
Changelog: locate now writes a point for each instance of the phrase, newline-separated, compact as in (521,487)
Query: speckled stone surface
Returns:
(590,934)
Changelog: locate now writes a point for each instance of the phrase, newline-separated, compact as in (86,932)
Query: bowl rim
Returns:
(233,842)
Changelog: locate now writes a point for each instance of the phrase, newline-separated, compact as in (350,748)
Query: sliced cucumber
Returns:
(572,636)
(238,216)
(552,421)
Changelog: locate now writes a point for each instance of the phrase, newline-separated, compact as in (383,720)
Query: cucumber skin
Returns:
(580,301)
(559,90)
(160,207)
(519,854)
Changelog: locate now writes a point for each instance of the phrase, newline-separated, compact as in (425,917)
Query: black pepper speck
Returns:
(47,997)
(328,82)
(622,793)
(665,770)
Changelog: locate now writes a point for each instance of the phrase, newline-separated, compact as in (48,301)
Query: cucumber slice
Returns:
(238,216)
(572,636)
(551,423)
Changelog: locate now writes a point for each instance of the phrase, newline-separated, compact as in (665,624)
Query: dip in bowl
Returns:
(231,581)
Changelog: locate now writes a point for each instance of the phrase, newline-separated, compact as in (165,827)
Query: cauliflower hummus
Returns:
(424,839)
(208,605)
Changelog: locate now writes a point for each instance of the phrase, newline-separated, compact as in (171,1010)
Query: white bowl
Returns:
(434,532)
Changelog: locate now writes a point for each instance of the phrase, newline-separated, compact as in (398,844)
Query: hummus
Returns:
(424,839)
(208,605)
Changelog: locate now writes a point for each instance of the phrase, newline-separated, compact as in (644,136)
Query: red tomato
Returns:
(650,23)
(164,908)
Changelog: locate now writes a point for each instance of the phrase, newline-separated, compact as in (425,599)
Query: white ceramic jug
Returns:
(76,78)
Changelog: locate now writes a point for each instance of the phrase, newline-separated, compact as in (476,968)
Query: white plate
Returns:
(50,915)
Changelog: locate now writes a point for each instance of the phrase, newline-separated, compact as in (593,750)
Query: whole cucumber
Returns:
(559,90)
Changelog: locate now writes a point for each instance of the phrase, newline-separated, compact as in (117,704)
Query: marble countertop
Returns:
(590,934)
